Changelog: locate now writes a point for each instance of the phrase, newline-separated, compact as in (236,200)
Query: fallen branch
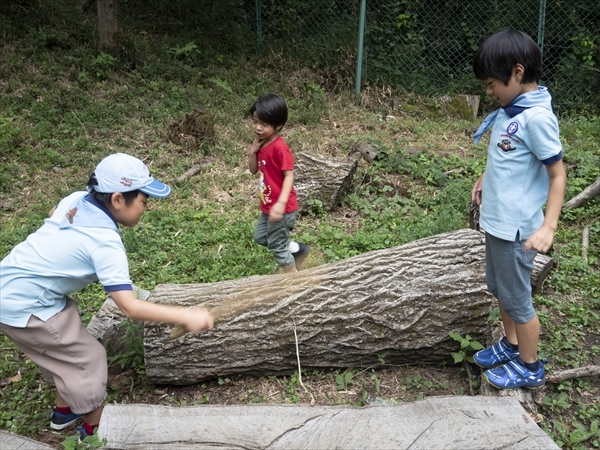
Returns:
(585,243)
(588,193)
(193,170)
(562,375)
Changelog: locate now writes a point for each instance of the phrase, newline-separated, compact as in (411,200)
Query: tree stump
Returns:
(320,179)
(460,106)
(190,133)
(398,304)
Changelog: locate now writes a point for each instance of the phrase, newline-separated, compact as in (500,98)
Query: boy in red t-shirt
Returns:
(270,155)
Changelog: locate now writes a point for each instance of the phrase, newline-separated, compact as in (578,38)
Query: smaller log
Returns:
(579,372)
(322,179)
(542,265)
(588,193)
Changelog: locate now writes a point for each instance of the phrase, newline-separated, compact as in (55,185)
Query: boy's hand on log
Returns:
(197,319)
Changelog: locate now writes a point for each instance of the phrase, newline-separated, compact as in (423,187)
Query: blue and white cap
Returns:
(124,173)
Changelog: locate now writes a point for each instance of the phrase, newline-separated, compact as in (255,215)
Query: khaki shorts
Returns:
(68,356)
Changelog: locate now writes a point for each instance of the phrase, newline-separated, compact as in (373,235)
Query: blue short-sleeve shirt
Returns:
(78,245)
(515,185)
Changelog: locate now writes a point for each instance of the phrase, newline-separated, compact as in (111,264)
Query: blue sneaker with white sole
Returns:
(496,355)
(514,375)
(60,421)
(83,433)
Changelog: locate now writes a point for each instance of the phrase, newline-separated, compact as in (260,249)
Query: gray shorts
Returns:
(508,270)
(68,356)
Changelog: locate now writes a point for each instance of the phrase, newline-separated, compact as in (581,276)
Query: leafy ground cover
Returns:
(65,105)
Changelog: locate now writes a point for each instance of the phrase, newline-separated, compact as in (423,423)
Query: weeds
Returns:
(90,442)
(467,347)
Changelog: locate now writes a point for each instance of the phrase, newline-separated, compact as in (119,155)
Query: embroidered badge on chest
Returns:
(506,146)
(512,128)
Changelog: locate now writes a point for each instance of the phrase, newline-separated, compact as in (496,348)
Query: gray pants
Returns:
(276,236)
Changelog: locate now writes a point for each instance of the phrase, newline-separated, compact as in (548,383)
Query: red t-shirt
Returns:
(272,161)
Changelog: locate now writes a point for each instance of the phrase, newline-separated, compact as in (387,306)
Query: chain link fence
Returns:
(427,46)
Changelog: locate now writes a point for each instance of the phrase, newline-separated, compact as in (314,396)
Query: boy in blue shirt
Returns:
(524,170)
(79,244)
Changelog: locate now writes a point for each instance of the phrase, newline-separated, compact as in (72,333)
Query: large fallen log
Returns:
(398,304)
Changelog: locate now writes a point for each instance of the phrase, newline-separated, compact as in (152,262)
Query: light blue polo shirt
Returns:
(515,184)
(78,245)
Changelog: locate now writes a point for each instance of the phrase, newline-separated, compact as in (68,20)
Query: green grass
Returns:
(64,108)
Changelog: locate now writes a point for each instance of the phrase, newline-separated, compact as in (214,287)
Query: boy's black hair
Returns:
(271,109)
(500,52)
(104,198)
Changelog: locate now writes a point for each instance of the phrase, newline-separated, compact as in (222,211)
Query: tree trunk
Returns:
(398,304)
(108,23)
(323,180)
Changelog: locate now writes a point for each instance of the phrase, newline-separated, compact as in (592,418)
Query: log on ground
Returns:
(323,179)
(582,198)
(399,303)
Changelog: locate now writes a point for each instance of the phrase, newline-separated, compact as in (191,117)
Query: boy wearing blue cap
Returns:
(79,244)
(524,170)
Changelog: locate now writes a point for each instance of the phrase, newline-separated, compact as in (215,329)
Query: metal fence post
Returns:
(359,51)
(259,36)
(541,26)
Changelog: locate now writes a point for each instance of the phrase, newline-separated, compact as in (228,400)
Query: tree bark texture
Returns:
(108,23)
(322,179)
(581,199)
(397,303)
